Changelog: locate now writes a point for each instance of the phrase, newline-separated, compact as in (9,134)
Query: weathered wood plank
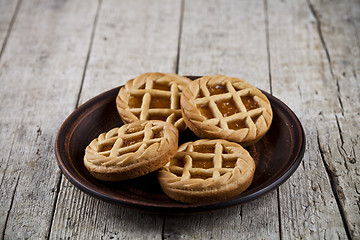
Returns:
(254,220)
(224,37)
(40,74)
(131,37)
(314,56)
(339,142)
(79,216)
(8,12)
(302,78)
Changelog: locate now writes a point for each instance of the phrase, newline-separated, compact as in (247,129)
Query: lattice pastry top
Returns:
(152,96)
(207,170)
(132,150)
(227,108)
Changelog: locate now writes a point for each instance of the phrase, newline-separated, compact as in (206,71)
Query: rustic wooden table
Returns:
(57,54)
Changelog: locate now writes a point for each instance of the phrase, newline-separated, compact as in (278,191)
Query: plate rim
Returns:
(179,208)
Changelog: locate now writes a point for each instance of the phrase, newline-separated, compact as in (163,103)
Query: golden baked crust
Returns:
(207,170)
(152,96)
(132,150)
(228,108)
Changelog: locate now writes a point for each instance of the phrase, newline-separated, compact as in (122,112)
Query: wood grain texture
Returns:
(79,216)
(302,78)
(7,17)
(40,72)
(57,54)
(8,12)
(338,26)
(223,37)
(254,220)
(131,37)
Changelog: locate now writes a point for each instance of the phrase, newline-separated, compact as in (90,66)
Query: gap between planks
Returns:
(180,34)
(182,7)
(11,206)
(76,106)
(89,51)
(268,42)
(266,14)
(8,32)
(330,173)
(323,43)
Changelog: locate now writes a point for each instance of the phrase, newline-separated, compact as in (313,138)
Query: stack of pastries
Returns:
(226,114)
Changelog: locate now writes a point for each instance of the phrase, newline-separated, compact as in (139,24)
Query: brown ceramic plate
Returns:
(277,155)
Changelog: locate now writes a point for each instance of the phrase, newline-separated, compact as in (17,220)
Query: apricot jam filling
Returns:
(157,117)
(178,162)
(205,110)
(160,102)
(226,151)
(135,101)
(204,149)
(229,164)
(157,134)
(200,176)
(200,94)
(227,107)
(131,141)
(254,119)
(106,147)
(249,102)
(134,129)
(205,164)
(217,89)
(237,124)
(161,86)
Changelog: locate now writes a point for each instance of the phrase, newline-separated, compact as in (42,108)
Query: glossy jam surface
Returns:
(249,103)
(131,141)
(157,134)
(135,101)
(217,89)
(160,102)
(200,94)
(157,117)
(227,107)
(178,162)
(134,129)
(254,118)
(228,164)
(200,176)
(161,86)
(205,110)
(237,125)
(106,147)
(205,164)
(226,151)
(204,149)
